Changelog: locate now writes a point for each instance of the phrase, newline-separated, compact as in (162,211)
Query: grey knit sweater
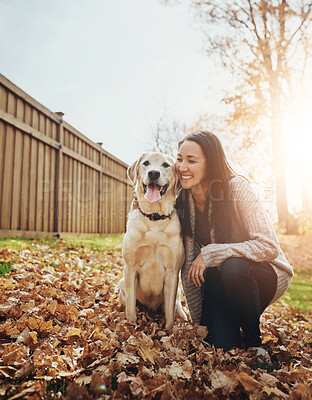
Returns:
(253,237)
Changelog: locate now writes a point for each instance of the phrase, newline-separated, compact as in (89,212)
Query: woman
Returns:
(234,266)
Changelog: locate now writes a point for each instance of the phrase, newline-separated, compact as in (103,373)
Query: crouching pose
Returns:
(234,267)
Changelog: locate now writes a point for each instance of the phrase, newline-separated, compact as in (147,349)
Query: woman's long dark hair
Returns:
(219,173)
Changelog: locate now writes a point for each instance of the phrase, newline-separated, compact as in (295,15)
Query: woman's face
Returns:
(191,165)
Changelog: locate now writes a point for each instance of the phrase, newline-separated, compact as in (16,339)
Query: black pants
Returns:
(235,296)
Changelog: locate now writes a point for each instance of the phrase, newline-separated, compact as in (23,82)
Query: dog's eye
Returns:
(166,165)
(146,163)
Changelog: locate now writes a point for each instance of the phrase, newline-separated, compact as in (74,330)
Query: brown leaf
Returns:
(40,326)
(224,382)
(73,333)
(27,369)
(249,383)
(31,339)
(52,307)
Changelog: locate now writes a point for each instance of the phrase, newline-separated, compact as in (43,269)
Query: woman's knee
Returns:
(234,269)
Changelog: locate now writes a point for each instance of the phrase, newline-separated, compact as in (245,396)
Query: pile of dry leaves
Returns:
(64,336)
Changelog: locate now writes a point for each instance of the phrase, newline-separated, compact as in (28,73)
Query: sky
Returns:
(114,67)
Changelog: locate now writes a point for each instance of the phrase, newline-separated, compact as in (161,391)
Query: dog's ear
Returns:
(133,170)
(132,173)
(176,183)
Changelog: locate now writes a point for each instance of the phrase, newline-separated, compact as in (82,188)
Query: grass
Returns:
(107,242)
(5,268)
(299,293)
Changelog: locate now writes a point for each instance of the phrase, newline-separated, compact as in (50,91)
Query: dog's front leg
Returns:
(170,294)
(131,281)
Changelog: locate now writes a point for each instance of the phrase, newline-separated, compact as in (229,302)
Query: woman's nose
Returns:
(182,167)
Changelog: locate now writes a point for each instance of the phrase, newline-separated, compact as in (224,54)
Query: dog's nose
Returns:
(153,175)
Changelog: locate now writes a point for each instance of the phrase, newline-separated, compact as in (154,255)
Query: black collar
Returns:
(155,216)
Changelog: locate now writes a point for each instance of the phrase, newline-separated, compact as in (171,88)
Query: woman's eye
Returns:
(146,163)
(166,165)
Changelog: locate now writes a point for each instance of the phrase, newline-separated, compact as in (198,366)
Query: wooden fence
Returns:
(53,179)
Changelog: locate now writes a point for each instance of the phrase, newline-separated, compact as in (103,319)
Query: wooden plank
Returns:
(6,203)
(46,189)
(42,124)
(48,127)
(106,201)
(70,194)
(17,171)
(65,195)
(33,185)
(82,198)
(79,177)
(95,202)
(88,200)
(2,143)
(39,188)
(11,104)
(91,197)
(100,197)
(52,210)
(71,141)
(25,182)
(54,131)
(20,110)
(27,119)
(109,207)
(74,196)
(58,224)
(3,98)
(35,120)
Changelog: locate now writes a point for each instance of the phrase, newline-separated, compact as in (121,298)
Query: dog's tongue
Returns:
(152,194)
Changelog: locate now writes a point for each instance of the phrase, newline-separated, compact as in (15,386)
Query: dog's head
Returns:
(154,177)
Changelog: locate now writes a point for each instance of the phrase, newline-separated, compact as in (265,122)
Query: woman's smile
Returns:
(191,165)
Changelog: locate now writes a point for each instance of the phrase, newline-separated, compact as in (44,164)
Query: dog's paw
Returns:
(169,326)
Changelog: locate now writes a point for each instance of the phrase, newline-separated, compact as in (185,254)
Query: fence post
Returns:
(100,194)
(58,200)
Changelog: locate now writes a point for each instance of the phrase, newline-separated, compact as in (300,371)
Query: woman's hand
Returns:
(196,272)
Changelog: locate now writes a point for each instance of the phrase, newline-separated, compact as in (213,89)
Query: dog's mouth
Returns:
(154,192)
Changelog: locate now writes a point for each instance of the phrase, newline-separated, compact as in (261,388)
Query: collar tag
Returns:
(155,216)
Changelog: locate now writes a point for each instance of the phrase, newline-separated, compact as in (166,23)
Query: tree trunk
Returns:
(278,157)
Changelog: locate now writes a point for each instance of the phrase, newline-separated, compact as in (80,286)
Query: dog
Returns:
(152,247)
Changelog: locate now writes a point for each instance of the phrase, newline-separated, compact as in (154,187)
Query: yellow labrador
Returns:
(152,246)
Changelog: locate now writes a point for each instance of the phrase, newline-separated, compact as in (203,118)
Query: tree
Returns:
(167,135)
(266,46)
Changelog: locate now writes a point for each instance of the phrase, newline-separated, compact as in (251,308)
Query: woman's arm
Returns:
(262,244)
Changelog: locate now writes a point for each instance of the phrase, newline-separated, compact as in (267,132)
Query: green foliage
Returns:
(104,242)
(299,293)
(98,242)
(4,268)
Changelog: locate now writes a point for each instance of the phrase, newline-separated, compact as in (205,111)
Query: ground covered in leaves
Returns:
(63,335)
